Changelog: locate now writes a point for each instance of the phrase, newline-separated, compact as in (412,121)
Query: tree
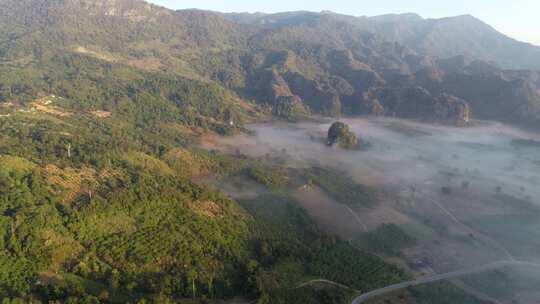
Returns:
(446,190)
(192,277)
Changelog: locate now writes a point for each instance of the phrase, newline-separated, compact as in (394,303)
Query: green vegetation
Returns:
(525,143)
(193,162)
(137,230)
(314,295)
(441,293)
(519,233)
(102,209)
(16,276)
(292,250)
(434,293)
(505,284)
(498,284)
(387,239)
(347,265)
(289,108)
(107,201)
(341,187)
(340,134)
(269,177)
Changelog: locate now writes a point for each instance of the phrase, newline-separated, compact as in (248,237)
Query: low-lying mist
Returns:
(470,195)
(400,153)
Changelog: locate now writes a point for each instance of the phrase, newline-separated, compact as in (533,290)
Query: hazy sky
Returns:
(519,19)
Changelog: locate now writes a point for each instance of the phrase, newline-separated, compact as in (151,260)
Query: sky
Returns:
(519,19)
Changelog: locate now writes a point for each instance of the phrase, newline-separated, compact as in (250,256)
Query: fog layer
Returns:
(469,195)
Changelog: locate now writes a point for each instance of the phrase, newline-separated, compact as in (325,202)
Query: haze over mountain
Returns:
(444,38)
(454,36)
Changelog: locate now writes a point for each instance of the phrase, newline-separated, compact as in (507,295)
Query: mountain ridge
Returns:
(421,31)
(322,63)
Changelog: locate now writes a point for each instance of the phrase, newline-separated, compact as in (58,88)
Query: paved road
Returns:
(325,282)
(445,276)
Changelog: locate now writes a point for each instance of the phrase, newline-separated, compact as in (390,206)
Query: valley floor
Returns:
(444,187)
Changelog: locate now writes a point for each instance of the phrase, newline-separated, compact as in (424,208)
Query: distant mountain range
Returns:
(447,70)
(444,38)
(454,36)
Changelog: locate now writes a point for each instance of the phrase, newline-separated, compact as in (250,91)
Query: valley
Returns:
(435,184)
(151,155)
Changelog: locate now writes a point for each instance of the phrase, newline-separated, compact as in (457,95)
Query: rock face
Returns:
(452,110)
(416,103)
(340,134)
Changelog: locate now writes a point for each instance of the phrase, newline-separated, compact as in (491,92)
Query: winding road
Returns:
(314,281)
(445,276)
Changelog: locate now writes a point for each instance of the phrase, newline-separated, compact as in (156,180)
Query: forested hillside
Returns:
(100,206)
(294,63)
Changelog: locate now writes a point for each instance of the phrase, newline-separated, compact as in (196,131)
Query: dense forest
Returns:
(94,212)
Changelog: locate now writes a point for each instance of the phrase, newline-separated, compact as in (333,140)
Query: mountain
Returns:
(104,107)
(458,57)
(296,63)
(443,38)
(454,36)
(350,59)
